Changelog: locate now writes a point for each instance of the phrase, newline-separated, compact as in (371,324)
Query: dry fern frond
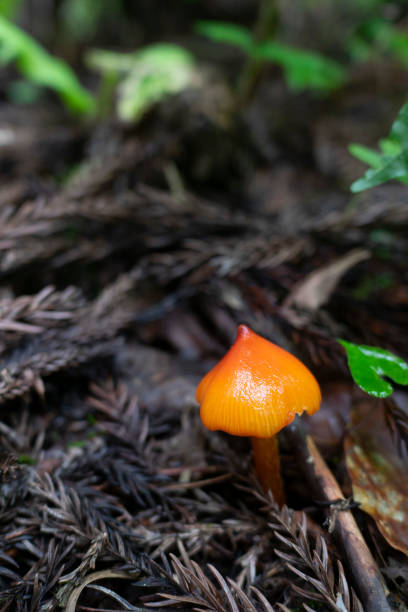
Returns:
(33,314)
(205,593)
(312,563)
(87,334)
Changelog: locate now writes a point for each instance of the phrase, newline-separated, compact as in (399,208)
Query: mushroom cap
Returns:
(256,389)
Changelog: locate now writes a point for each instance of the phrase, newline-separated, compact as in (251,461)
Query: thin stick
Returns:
(267,466)
(363,569)
(265,26)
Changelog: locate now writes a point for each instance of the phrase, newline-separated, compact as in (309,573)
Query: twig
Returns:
(265,25)
(363,569)
(197,484)
(103,574)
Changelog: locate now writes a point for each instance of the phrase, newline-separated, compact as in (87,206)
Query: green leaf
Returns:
(26,460)
(303,69)
(158,71)
(147,76)
(109,61)
(399,46)
(399,129)
(393,167)
(368,156)
(389,146)
(37,65)
(227,33)
(393,161)
(368,364)
(10,8)
(77,444)
(378,36)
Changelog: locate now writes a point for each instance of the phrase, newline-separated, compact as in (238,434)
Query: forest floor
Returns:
(128,256)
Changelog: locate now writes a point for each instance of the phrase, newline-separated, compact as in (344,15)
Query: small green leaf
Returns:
(227,33)
(10,8)
(366,155)
(109,61)
(371,284)
(41,68)
(392,167)
(369,363)
(392,162)
(26,460)
(378,36)
(77,444)
(389,146)
(158,71)
(146,76)
(91,418)
(303,69)
(399,129)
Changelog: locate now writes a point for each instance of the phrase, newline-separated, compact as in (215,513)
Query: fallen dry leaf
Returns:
(315,290)
(378,472)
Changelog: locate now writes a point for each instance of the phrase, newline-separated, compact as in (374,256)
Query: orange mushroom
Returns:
(255,390)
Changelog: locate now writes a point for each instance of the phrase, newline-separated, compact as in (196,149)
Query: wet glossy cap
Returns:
(256,389)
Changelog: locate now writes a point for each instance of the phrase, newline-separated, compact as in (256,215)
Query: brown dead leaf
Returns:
(315,290)
(378,472)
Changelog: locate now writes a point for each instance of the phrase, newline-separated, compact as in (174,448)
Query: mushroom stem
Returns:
(267,466)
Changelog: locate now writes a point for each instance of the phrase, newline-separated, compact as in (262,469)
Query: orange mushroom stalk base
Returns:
(255,390)
(267,466)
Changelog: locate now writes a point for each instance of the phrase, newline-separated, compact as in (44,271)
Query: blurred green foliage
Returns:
(138,80)
(10,8)
(142,78)
(145,77)
(391,162)
(360,4)
(41,68)
(227,33)
(377,37)
(369,364)
(81,18)
(26,460)
(303,69)
(372,39)
(372,284)
(23,92)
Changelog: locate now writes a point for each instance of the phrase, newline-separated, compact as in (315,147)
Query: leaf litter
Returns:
(117,296)
(378,471)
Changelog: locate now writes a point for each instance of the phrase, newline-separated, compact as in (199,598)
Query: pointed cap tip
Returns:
(243,331)
(256,388)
